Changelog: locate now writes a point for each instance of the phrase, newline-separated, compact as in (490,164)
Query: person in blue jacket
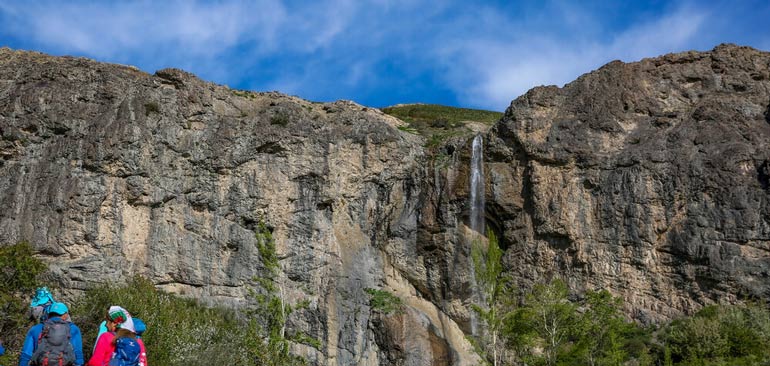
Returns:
(42,299)
(56,311)
(2,350)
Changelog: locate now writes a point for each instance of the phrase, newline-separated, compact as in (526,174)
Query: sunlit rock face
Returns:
(111,172)
(648,179)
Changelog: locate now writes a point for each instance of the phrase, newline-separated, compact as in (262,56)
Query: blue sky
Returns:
(479,54)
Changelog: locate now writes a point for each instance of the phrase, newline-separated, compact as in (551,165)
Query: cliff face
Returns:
(649,179)
(111,172)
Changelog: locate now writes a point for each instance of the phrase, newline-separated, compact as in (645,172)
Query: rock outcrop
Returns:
(649,179)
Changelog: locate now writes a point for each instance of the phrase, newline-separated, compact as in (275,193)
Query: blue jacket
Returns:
(30,343)
(2,350)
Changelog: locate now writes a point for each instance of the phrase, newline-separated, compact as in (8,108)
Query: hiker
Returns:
(140,328)
(102,328)
(2,350)
(117,346)
(55,341)
(38,305)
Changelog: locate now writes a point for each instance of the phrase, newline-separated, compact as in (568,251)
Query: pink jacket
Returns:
(143,355)
(103,350)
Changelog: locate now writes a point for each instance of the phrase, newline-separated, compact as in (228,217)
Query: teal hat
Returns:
(42,297)
(58,308)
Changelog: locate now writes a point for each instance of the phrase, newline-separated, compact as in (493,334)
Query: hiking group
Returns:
(55,340)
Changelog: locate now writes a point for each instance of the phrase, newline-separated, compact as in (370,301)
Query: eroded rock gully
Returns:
(649,179)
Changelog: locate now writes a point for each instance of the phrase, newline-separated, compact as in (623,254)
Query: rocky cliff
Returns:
(649,179)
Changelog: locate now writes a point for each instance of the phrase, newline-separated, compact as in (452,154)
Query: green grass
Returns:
(244,93)
(439,123)
(440,114)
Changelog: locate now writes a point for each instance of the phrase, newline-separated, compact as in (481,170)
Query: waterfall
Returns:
(477,186)
(476,219)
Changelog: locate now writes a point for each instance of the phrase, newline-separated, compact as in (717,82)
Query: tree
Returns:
(603,327)
(545,321)
(497,301)
(721,334)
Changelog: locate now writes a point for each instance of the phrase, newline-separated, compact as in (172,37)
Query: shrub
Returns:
(19,270)
(151,107)
(735,335)
(179,331)
(19,273)
(280,119)
(383,301)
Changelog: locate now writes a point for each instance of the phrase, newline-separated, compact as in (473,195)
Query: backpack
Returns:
(53,345)
(126,352)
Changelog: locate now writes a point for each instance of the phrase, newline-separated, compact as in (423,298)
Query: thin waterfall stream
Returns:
(477,186)
(476,218)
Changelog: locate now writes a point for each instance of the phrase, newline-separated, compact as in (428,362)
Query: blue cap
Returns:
(42,297)
(139,326)
(58,308)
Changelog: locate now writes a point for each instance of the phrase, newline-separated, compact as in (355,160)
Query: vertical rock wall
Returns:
(110,172)
(647,179)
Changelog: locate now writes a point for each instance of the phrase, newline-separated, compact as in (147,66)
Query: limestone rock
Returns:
(111,172)
(648,179)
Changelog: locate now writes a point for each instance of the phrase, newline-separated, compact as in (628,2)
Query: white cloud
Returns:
(486,54)
(178,33)
(109,29)
(491,73)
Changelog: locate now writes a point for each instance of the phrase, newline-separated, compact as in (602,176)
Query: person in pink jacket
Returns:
(118,319)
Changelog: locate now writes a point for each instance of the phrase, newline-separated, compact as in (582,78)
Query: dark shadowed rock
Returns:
(648,179)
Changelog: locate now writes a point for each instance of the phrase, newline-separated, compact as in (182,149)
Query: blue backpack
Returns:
(127,352)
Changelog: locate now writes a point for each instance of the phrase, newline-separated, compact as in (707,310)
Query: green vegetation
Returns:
(19,276)
(721,335)
(439,123)
(497,295)
(280,119)
(179,331)
(440,116)
(548,329)
(409,129)
(384,302)
(244,94)
(269,316)
(151,107)
(184,332)
(543,326)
